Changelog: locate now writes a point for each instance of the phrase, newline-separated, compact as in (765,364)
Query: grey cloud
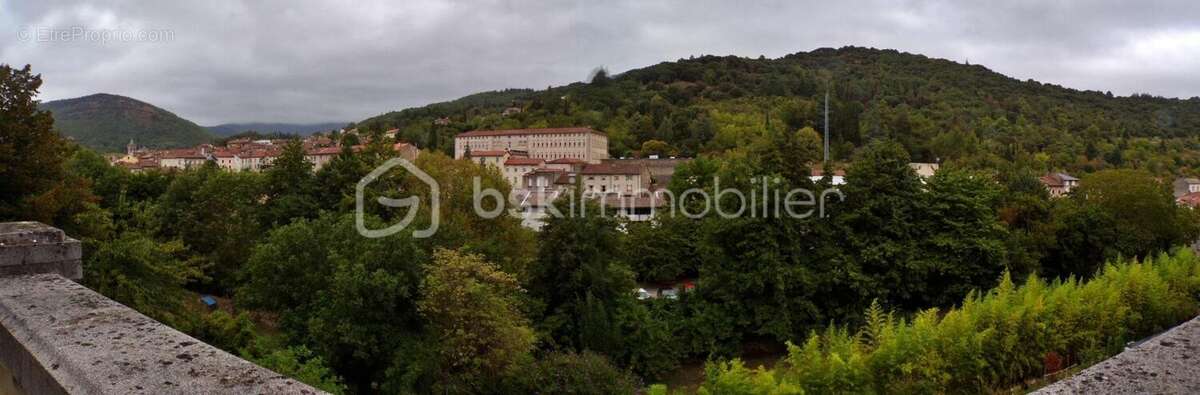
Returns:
(307,61)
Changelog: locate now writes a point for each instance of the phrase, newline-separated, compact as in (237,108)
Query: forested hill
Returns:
(938,109)
(106,123)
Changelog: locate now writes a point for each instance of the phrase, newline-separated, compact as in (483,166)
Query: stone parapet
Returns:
(59,337)
(33,248)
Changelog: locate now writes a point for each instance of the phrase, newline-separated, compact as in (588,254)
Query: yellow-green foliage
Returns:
(733,378)
(992,341)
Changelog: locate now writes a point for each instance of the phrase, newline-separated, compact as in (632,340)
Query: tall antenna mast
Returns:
(826,125)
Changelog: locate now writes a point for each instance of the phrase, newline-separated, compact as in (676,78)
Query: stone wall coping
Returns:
(29,232)
(57,336)
(34,248)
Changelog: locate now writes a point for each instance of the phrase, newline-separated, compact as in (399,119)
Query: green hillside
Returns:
(107,122)
(938,109)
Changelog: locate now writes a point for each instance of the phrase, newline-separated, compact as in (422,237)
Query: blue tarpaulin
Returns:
(209,301)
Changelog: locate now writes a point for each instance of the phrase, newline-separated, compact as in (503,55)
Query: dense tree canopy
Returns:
(348,298)
(31,152)
(471,307)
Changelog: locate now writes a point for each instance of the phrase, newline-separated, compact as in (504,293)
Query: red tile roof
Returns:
(324,151)
(185,153)
(1057,179)
(260,154)
(1190,200)
(566,161)
(565,179)
(517,132)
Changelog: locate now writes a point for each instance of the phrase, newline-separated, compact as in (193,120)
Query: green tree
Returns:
(1116,213)
(663,249)
(961,239)
(580,281)
(31,152)
(35,185)
(501,240)
(215,213)
(572,373)
(221,329)
(338,178)
(289,187)
(659,148)
(1084,236)
(141,273)
(878,218)
(1147,217)
(350,299)
(472,310)
(302,364)
(789,153)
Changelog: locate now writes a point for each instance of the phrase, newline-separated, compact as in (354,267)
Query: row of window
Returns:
(558,155)
(604,188)
(558,144)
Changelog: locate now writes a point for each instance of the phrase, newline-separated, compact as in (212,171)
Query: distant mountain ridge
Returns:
(106,122)
(303,129)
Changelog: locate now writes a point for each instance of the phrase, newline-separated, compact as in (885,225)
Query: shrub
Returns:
(300,363)
(733,378)
(572,373)
(992,340)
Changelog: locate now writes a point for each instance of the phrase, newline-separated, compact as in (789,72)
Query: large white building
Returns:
(184,158)
(581,143)
(543,164)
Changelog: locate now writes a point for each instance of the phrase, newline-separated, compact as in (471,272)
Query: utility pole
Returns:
(826,125)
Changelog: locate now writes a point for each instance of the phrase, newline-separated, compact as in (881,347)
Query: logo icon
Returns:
(412,202)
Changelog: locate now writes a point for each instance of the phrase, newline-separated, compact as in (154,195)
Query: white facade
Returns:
(575,143)
(181,162)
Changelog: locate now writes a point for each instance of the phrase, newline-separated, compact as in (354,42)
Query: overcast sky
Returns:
(310,61)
